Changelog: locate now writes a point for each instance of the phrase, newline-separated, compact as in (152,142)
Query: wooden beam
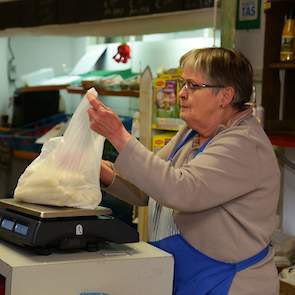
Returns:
(228,23)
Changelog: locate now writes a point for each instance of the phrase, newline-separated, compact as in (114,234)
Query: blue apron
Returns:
(196,273)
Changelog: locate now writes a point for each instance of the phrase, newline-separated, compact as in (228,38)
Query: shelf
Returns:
(25,155)
(43,88)
(80,90)
(4,129)
(282,140)
(283,65)
(165,128)
(104,92)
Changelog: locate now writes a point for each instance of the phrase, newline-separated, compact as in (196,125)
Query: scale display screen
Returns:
(7,224)
(21,229)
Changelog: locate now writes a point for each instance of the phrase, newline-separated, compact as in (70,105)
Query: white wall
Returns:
(164,54)
(34,53)
(159,51)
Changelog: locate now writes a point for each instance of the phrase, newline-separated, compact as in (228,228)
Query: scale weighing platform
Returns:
(48,228)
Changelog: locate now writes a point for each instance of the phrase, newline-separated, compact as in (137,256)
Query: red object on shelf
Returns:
(283,140)
(123,53)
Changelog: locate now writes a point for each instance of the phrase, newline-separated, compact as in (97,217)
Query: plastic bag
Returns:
(67,171)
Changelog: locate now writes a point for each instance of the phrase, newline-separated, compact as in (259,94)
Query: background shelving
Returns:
(278,89)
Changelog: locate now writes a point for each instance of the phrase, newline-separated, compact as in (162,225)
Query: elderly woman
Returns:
(213,189)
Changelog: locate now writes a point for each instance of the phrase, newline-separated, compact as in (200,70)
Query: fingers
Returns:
(91,114)
(98,105)
(107,163)
(106,174)
(96,117)
(90,96)
(93,100)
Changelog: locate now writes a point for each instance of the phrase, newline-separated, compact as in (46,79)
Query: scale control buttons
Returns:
(7,224)
(21,229)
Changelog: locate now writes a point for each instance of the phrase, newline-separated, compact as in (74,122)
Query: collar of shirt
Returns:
(196,142)
(235,120)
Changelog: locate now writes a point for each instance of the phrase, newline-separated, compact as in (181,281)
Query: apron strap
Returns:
(190,135)
(252,260)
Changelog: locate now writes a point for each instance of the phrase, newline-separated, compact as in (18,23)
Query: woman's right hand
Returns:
(107,173)
(106,122)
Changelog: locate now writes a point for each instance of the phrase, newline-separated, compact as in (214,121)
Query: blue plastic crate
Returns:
(127,122)
(25,138)
(47,121)
(6,138)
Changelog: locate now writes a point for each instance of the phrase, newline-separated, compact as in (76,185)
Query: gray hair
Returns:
(223,67)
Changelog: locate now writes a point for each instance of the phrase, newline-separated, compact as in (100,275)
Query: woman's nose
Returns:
(182,94)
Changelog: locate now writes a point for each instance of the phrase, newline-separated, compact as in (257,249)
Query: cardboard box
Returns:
(286,288)
(160,140)
(166,101)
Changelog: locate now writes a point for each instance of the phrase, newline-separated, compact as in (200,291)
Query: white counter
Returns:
(129,269)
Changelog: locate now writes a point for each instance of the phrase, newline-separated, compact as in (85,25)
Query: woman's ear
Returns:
(227,95)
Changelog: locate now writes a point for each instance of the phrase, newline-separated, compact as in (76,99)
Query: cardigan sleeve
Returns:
(128,192)
(223,172)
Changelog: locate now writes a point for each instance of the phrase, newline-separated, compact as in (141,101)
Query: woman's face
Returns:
(199,108)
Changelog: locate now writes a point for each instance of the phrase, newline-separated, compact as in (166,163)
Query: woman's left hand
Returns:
(107,123)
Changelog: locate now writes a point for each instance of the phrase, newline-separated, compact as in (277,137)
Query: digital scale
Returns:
(48,228)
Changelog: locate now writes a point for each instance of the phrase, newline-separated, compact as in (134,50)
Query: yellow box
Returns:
(160,140)
(165,96)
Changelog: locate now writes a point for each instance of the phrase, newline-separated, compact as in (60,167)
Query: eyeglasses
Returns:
(193,86)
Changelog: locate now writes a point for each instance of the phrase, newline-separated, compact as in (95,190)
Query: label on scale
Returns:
(79,230)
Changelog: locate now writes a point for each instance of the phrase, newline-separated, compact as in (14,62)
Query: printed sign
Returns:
(248,14)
